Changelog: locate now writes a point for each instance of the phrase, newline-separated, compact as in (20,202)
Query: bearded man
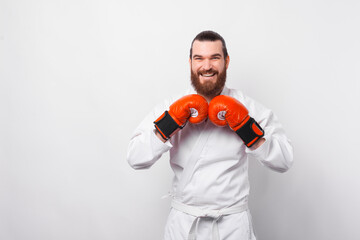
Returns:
(211,132)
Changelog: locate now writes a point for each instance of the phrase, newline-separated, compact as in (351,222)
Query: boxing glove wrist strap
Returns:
(166,125)
(250,132)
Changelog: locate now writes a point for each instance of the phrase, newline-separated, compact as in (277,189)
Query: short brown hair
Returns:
(210,36)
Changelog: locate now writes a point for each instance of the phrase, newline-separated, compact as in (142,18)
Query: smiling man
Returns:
(211,132)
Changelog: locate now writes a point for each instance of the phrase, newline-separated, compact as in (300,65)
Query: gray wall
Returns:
(77,77)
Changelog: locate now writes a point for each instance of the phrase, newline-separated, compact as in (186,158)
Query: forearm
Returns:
(275,153)
(160,137)
(258,144)
(145,149)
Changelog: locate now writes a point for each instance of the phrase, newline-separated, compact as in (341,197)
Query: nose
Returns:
(207,65)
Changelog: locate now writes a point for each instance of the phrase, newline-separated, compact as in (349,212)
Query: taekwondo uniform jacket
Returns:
(210,186)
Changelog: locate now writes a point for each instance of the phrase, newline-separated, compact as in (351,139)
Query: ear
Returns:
(190,62)
(227,61)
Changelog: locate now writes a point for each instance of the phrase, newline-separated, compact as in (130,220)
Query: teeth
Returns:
(208,75)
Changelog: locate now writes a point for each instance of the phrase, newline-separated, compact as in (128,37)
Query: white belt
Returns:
(200,213)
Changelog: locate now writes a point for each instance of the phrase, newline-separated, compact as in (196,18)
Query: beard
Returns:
(208,89)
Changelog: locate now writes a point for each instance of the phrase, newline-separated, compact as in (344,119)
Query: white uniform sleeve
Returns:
(276,152)
(145,148)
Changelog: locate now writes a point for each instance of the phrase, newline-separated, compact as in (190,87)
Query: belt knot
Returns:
(212,214)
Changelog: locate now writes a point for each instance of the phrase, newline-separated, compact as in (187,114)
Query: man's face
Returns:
(208,67)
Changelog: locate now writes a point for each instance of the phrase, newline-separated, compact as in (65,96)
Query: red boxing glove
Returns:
(191,107)
(225,110)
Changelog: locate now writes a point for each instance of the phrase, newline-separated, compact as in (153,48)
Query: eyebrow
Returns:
(214,55)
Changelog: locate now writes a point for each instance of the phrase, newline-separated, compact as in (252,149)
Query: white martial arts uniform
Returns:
(210,186)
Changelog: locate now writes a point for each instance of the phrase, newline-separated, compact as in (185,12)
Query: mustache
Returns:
(210,71)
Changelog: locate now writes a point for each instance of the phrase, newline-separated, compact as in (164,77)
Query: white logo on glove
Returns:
(194,112)
(221,115)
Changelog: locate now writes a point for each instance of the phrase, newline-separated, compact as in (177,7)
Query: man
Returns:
(211,132)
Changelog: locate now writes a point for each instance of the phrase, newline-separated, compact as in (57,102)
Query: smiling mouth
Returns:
(208,75)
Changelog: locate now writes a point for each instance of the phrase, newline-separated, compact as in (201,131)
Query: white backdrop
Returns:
(77,77)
